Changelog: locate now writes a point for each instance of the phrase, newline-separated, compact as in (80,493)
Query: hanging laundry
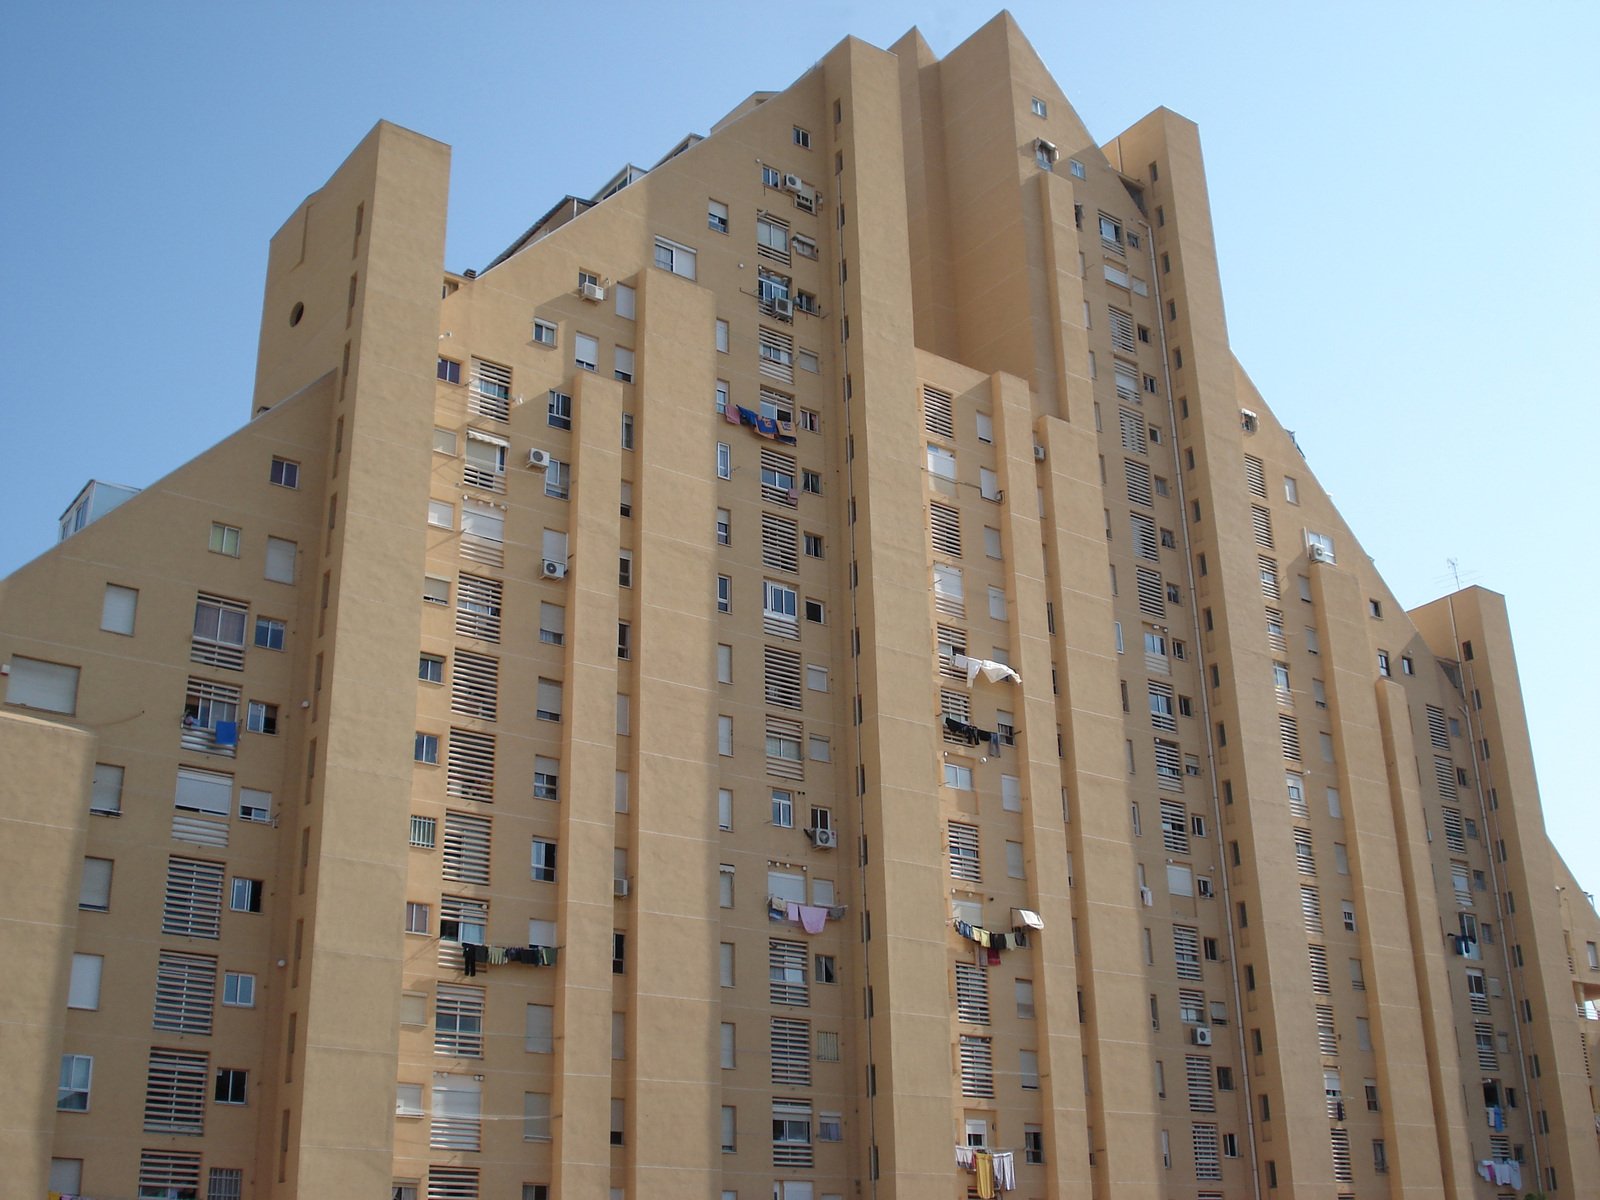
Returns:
(775,909)
(836,913)
(994,957)
(1486,1170)
(813,919)
(993,671)
(496,955)
(985,1175)
(1005,1171)
(791,911)
(730,414)
(982,937)
(965,1158)
(227,733)
(469,958)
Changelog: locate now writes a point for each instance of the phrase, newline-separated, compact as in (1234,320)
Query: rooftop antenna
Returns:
(1455,572)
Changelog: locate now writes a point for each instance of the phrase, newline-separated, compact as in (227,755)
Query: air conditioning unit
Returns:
(782,306)
(554,569)
(621,887)
(824,839)
(793,183)
(1248,421)
(1038,453)
(1147,897)
(1319,552)
(593,291)
(1202,1035)
(539,459)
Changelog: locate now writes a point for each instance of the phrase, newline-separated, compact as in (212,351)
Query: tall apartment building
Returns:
(814,675)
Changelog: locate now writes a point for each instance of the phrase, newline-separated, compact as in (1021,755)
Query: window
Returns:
(815,611)
(544,861)
(83,988)
(118,608)
(175,1092)
(232,1086)
(94,893)
(724,461)
(52,687)
(544,332)
(622,371)
(261,717)
(670,256)
(558,410)
(458,1021)
(716,216)
(105,799)
(535,1116)
(813,545)
(724,593)
(586,352)
(1028,1069)
(447,370)
(419,918)
(224,540)
(425,748)
(557,479)
(238,990)
(778,601)
(284,473)
(811,482)
(245,894)
(625,568)
(548,704)
(72,1089)
(802,138)
(1039,110)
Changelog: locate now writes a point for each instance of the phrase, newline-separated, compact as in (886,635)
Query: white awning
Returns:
(1029,918)
(479,435)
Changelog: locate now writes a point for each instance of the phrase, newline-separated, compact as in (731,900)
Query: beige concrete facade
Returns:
(995,745)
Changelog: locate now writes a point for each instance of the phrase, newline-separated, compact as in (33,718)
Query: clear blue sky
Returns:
(1394,190)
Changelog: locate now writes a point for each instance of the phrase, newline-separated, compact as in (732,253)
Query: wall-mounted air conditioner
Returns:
(554,569)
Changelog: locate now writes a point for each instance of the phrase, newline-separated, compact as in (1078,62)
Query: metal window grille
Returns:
(963,847)
(1138,476)
(1144,538)
(977,1067)
(218,637)
(458,1021)
(1317,957)
(781,674)
(1289,736)
(490,393)
(780,540)
(1198,1077)
(175,1093)
(1261,526)
(944,523)
(972,994)
(790,1052)
(1255,476)
(786,973)
(1311,908)
(1152,594)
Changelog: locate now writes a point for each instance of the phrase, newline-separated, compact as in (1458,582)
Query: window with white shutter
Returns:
(963,847)
(1327,1035)
(168,1173)
(1122,335)
(938,416)
(977,1067)
(1261,526)
(1125,376)
(1197,1075)
(465,857)
(470,772)
(1304,859)
(786,973)
(483,466)
(1255,475)
(478,608)
(1144,538)
(1311,908)
(1174,827)
(1444,774)
(972,994)
(186,990)
(1268,570)
(1138,476)
(1152,594)
(781,676)
(218,636)
(1186,951)
(790,1052)
(944,523)
(457,1113)
(1169,766)
(948,596)
(458,1021)
(192,906)
(490,392)
(453,1183)
(33,683)
(1317,958)
(1289,736)
(175,1092)
(1206,1163)
(1453,837)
